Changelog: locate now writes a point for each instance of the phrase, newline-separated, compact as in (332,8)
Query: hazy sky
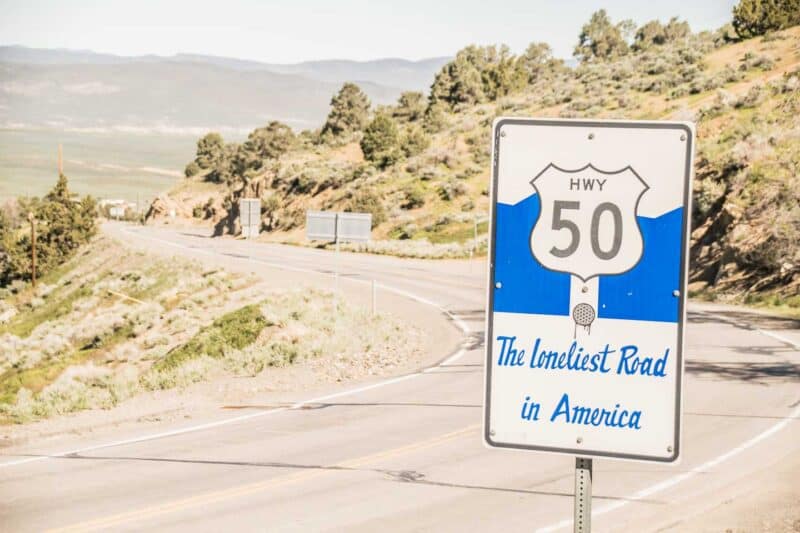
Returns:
(283,31)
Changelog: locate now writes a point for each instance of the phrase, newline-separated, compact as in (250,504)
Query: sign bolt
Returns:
(491,432)
(683,136)
(502,133)
(591,136)
(498,285)
(579,440)
(669,449)
(676,293)
(584,289)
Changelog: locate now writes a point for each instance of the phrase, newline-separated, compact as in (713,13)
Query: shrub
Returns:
(414,141)
(451,189)
(368,201)
(192,169)
(232,331)
(413,196)
(410,107)
(435,117)
(753,97)
(210,149)
(752,61)
(380,143)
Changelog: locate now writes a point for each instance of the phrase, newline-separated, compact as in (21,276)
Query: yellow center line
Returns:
(252,488)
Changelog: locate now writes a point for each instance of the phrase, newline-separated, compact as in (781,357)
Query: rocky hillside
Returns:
(421,167)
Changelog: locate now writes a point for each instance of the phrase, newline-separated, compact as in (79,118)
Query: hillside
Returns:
(426,195)
(113,323)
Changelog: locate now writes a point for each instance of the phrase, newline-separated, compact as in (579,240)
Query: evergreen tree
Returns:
(63,223)
(478,74)
(600,39)
(210,150)
(459,82)
(410,106)
(349,111)
(537,59)
(757,17)
(655,34)
(263,144)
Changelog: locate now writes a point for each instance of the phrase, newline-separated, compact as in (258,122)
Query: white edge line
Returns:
(675,480)
(781,338)
(772,334)
(465,329)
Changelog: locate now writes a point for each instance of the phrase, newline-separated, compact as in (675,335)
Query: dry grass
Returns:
(74,344)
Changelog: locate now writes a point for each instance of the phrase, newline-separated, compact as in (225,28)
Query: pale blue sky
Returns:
(283,31)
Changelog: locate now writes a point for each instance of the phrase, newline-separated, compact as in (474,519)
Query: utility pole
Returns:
(60,159)
(33,248)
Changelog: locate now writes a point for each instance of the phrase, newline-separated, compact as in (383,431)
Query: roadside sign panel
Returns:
(354,227)
(250,216)
(587,277)
(320,226)
(327,225)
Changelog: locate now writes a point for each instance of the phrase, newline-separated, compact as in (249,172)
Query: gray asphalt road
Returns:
(405,454)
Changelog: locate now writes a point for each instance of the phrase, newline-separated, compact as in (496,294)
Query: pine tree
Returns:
(349,111)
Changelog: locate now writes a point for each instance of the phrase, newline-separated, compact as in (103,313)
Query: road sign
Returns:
(320,225)
(337,226)
(354,227)
(250,216)
(586,300)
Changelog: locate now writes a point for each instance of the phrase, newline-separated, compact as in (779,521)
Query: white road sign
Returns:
(250,217)
(587,280)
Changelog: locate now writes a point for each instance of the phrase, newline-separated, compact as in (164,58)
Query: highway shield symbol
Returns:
(587,224)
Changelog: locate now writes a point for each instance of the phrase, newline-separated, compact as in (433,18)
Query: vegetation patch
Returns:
(51,308)
(118,323)
(232,331)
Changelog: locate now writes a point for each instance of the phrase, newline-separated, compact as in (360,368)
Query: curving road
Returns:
(405,453)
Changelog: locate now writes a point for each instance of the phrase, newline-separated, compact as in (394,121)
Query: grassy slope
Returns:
(112,323)
(452,175)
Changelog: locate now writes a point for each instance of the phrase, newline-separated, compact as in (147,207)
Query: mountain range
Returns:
(85,90)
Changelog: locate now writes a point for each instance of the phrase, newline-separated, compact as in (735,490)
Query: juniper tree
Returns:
(349,111)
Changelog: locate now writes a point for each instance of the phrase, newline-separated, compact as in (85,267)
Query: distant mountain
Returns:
(85,89)
(407,75)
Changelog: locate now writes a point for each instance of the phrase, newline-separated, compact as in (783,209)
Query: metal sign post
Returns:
(588,261)
(338,227)
(583,495)
(336,262)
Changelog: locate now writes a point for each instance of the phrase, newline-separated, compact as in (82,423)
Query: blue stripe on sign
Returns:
(527,287)
(643,293)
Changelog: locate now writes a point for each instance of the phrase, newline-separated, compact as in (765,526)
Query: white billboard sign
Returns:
(586,300)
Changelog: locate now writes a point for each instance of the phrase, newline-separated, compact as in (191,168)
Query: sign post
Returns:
(338,227)
(583,495)
(587,276)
